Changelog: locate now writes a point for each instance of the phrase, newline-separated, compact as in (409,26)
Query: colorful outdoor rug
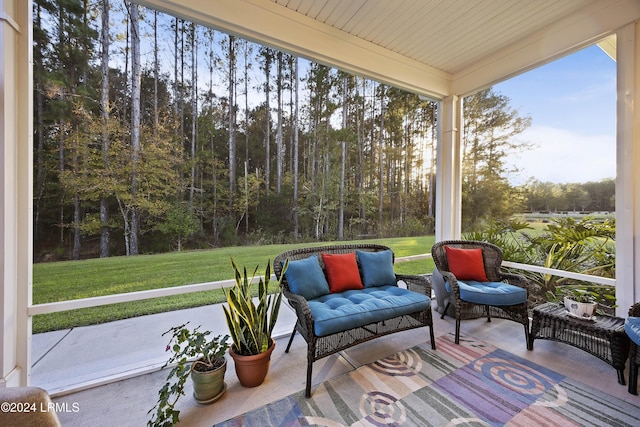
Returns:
(472,384)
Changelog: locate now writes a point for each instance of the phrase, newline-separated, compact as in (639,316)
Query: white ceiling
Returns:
(432,47)
(448,35)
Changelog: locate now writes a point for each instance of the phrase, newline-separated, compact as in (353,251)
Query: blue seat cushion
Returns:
(632,328)
(349,309)
(490,293)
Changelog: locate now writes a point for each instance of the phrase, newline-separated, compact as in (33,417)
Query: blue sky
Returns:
(572,103)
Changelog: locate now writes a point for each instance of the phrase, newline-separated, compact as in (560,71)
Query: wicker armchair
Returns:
(492,305)
(634,353)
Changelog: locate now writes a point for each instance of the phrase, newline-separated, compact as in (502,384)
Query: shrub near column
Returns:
(251,324)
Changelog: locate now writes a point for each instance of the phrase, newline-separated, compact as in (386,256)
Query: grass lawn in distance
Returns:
(68,280)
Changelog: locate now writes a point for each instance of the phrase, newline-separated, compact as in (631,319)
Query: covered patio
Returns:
(439,50)
(126,402)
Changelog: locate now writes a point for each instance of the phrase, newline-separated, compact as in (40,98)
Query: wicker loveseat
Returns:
(331,320)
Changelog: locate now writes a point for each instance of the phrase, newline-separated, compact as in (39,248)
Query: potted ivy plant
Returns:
(251,322)
(196,354)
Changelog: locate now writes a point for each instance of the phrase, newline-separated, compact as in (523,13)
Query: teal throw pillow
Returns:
(377,268)
(305,277)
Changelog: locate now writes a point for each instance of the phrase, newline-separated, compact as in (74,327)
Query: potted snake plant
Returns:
(251,322)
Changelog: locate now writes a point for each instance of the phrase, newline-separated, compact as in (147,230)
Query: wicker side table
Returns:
(603,337)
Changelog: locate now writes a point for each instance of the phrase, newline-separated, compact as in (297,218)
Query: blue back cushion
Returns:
(632,328)
(377,268)
(305,277)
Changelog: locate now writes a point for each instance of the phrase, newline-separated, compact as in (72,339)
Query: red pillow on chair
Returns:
(342,272)
(466,264)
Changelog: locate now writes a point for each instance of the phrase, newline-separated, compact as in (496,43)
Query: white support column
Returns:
(449,170)
(628,169)
(16,129)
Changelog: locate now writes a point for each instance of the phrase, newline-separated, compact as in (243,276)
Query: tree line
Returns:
(593,196)
(152,133)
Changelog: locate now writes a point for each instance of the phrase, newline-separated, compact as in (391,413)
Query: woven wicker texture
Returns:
(603,337)
(492,256)
(319,347)
(634,355)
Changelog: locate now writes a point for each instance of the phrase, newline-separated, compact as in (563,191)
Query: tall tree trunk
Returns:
(296,141)
(135,126)
(104,110)
(279,148)
(176,97)
(40,166)
(194,113)
(232,119)
(432,170)
(79,151)
(343,160)
(214,220)
(267,137)
(380,159)
(156,76)
(75,251)
(247,50)
(360,175)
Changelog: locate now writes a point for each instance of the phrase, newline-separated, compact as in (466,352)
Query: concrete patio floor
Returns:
(89,356)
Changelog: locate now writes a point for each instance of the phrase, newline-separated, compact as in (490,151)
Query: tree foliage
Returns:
(286,150)
(490,133)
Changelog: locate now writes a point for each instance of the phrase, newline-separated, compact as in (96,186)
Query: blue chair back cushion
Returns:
(350,309)
(490,293)
(632,328)
(306,278)
(377,268)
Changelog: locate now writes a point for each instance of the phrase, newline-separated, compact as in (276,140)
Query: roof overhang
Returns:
(302,28)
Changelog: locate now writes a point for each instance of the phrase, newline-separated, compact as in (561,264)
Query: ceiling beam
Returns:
(590,25)
(270,24)
(609,46)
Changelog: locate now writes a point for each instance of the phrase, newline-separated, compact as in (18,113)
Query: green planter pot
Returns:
(209,386)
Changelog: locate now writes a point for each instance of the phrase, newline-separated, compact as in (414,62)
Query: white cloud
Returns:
(564,156)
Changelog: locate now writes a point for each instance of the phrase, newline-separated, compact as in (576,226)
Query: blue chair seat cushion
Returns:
(632,328)
(353,308)
(490,293)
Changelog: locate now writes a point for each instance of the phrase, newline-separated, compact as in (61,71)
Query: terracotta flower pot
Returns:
(209,386)
(252,370)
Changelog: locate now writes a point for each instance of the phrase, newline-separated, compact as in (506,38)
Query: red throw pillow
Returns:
(466,264)
(342,272)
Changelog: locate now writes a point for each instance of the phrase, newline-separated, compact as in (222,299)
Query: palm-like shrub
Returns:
(584,246)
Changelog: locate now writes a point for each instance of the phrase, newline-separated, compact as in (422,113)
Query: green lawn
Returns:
(60,281)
